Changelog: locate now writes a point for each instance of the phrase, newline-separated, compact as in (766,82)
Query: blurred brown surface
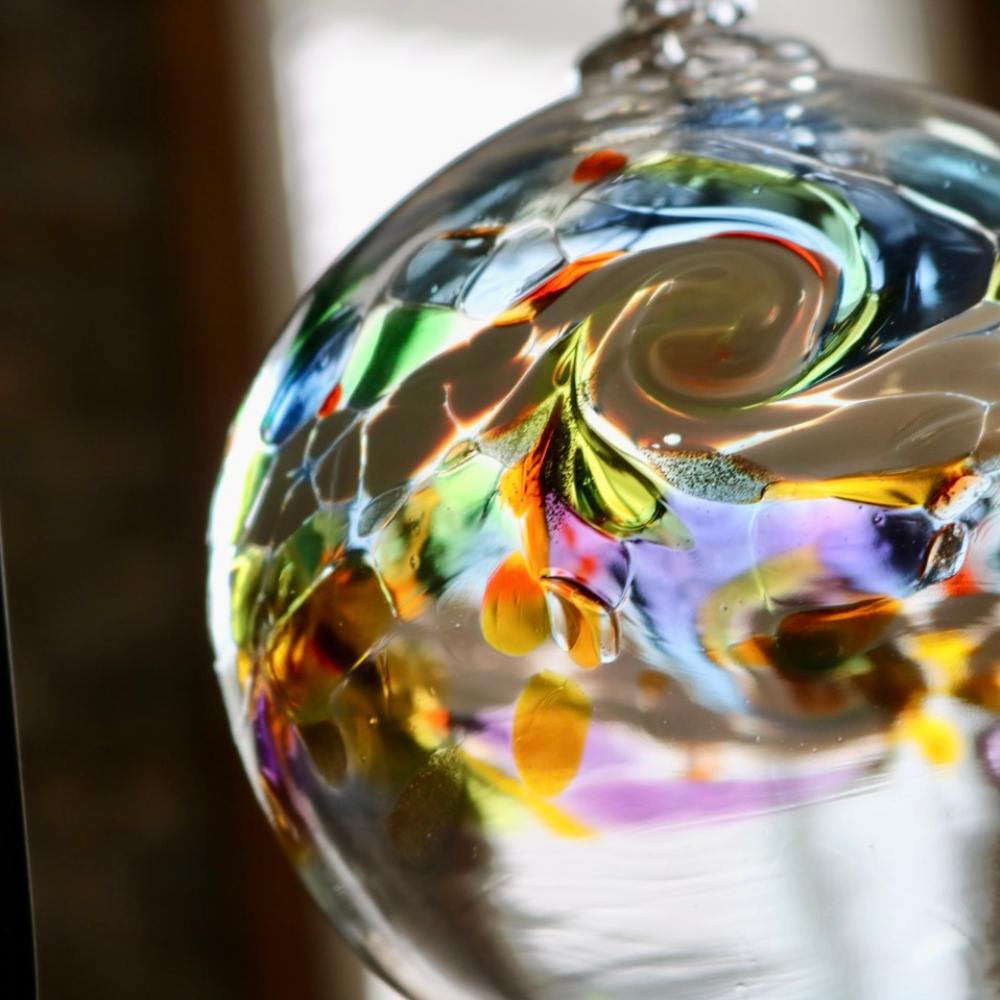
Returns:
(963,37)
(982,27)
(125,341)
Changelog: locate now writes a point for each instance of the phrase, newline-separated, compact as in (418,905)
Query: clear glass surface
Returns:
(605,563)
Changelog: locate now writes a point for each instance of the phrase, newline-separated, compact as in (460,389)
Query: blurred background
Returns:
(173,173)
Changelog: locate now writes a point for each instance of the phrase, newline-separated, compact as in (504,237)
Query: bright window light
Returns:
(370,109)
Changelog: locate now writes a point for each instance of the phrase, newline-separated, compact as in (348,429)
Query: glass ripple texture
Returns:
(605,563)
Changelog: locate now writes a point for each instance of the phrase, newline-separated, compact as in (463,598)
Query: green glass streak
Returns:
(466,493)
(296,567)
(771,190)
(465,523)
(393,344)
(994,290)
(253,483)
(600,480)
(461,524)
(606,486)
(245,580)
(335,290)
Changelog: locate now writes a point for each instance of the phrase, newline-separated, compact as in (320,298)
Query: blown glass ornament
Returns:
(606,560)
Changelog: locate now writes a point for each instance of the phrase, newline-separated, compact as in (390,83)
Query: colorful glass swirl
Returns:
(638,473)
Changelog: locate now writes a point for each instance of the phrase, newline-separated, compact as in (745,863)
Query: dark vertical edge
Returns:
(15,898)
(984,29)
(268,927)
(963,39)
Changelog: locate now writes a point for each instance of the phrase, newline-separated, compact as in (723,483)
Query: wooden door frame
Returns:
(271,943)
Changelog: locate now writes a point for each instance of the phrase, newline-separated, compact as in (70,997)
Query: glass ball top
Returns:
(605,562)
(721,12)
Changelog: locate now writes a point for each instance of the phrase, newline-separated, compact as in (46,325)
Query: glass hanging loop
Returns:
(689,39)
(642,15)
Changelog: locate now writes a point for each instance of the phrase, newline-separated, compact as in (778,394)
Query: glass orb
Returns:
(605,563)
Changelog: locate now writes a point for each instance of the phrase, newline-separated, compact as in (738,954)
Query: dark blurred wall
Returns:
(982,29)
(124,344)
